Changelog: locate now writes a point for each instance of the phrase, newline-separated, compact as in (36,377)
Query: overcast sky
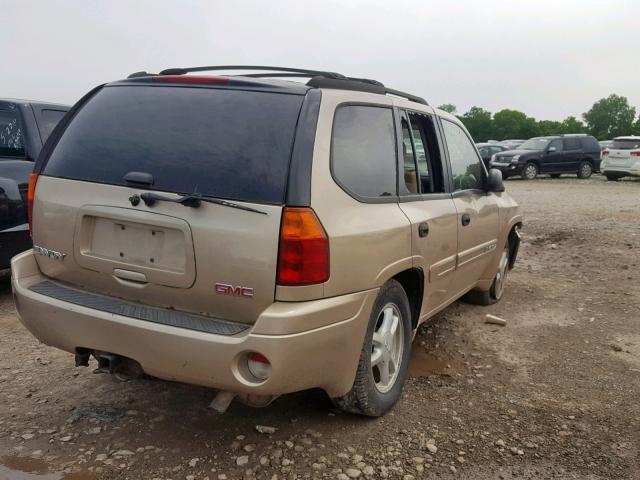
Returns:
(549,59)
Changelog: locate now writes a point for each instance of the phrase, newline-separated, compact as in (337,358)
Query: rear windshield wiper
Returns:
(193,201)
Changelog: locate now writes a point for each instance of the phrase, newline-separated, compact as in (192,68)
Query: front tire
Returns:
(585,169)
(530,171)
(384,359)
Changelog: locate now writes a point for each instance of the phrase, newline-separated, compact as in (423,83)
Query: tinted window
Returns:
(466,168)
(11,142)
(427,154)
(223,143)
(572,144)
(410,172)
(557,144)
(631,144)
(363,150)
(48,121)
(590,144)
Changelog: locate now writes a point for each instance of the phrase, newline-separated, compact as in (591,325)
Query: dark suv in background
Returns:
(553,155)
(24,127)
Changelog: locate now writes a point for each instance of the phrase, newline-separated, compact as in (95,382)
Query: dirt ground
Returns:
(554,394)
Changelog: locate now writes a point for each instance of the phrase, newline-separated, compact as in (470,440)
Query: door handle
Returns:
(466,219)
(423,229)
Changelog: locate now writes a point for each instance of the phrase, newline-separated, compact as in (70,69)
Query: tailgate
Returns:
(167,255)
(219,145)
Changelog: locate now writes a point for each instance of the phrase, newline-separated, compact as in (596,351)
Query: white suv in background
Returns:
(622,158)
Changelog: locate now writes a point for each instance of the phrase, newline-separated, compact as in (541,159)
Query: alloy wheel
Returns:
(387,348)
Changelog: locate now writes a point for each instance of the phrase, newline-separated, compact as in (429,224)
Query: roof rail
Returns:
(318,78)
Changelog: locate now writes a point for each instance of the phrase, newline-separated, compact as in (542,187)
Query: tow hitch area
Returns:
(122,368)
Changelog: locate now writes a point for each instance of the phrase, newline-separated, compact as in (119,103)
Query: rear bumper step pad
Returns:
(116,306)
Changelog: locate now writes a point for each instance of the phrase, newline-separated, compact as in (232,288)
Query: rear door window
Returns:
(11,137)
(572,144)
(363,151)
(222,143)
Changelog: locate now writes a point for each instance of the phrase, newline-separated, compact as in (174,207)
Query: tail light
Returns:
(31,193)
(635,154)
(605,152)
(303,257)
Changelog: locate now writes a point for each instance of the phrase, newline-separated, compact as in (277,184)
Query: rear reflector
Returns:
(605,152)
(635,154)
(31,193)
(303,257)
(258,365)
(191,79)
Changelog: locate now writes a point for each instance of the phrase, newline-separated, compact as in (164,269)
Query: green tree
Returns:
(479,123)
(610,117)
(449,108)
(514,124)
(573,125)
(550,127)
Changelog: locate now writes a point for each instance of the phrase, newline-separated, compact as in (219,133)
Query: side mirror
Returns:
(494,181)
(551,149)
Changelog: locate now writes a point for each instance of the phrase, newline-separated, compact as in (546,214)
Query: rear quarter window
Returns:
(363,151)
(590,144)
(224,143)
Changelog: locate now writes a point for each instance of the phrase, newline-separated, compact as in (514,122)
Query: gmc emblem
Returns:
(225,289)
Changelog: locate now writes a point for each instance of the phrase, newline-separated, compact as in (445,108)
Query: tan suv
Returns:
(259,236)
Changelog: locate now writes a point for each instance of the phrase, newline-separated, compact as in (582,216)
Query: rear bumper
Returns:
(313,344)
(633,169)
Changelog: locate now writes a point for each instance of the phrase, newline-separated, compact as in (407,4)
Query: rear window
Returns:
(630,144)
(11,140)
(222,143)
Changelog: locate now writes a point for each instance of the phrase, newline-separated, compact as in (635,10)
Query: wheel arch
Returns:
(412,280)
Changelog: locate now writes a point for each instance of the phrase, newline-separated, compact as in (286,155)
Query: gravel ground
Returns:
(554,394)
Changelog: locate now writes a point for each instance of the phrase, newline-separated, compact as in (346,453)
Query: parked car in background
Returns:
(24,127)
(315,265)
(605,144)
(622,158)
(512,144)
(487,150)
(553,155)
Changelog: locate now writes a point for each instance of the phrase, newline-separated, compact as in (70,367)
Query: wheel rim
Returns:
(586,170)
(531,171)
(501,276)
(387,348)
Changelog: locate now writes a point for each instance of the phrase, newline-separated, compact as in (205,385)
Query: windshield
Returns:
(230,144)
(538,143)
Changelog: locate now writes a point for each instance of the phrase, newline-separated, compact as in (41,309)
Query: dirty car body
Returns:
(259,236)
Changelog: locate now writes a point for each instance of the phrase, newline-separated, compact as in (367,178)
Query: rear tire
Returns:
(585,169)
(530,171)
(495,292)
(384,359)
(613,178)
(554,175)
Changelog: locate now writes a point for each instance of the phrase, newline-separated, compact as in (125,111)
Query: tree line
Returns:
(608,118)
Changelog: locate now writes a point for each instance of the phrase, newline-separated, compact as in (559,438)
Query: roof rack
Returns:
(318,78)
